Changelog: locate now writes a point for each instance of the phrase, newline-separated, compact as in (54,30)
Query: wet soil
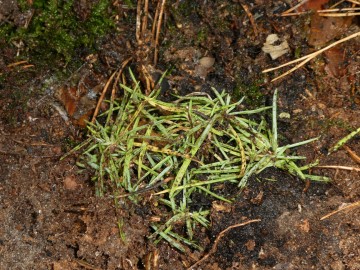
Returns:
(50,216)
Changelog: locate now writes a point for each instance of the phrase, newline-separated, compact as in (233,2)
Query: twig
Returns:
(293,14)
(353,205)
(86,265)
(216,242)
(251,18)
(308,57)
(352,154)
(17,63)
(339,168)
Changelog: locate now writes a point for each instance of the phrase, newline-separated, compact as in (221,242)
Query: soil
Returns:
(50,216)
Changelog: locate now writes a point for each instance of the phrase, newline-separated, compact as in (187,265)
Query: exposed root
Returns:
(216,242)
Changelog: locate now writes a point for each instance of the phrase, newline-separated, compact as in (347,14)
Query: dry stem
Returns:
(295,7)
(158,31)
(336,167)
(308,57)
(251,18)
(352,154)
(101,98)
(353,205)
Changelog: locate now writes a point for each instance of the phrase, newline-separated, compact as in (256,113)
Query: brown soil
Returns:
(51,218)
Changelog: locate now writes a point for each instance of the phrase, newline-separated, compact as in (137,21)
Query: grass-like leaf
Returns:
(180,149)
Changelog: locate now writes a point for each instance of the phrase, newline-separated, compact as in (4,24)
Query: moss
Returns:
(130,3)
(254,97)
(297,52)
(339,123)
(55,31)
(202,36)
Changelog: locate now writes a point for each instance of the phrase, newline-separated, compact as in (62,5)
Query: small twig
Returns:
(17,63)
(27,66)
(86,265)
(353,205)
(352,154)
(251,18)
(336,167)
(293,14)
(216,242)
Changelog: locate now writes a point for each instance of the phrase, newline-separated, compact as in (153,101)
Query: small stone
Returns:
(207,62)
(337,265)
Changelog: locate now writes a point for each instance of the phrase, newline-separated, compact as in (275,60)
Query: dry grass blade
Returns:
(354,2)
(350,206)
(325,12)
(338,167)
(294,7)
(102,96)
(337,9)
(339,12)
(303,60)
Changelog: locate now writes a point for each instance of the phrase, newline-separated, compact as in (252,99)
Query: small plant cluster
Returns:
(55,31)
(182,148)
